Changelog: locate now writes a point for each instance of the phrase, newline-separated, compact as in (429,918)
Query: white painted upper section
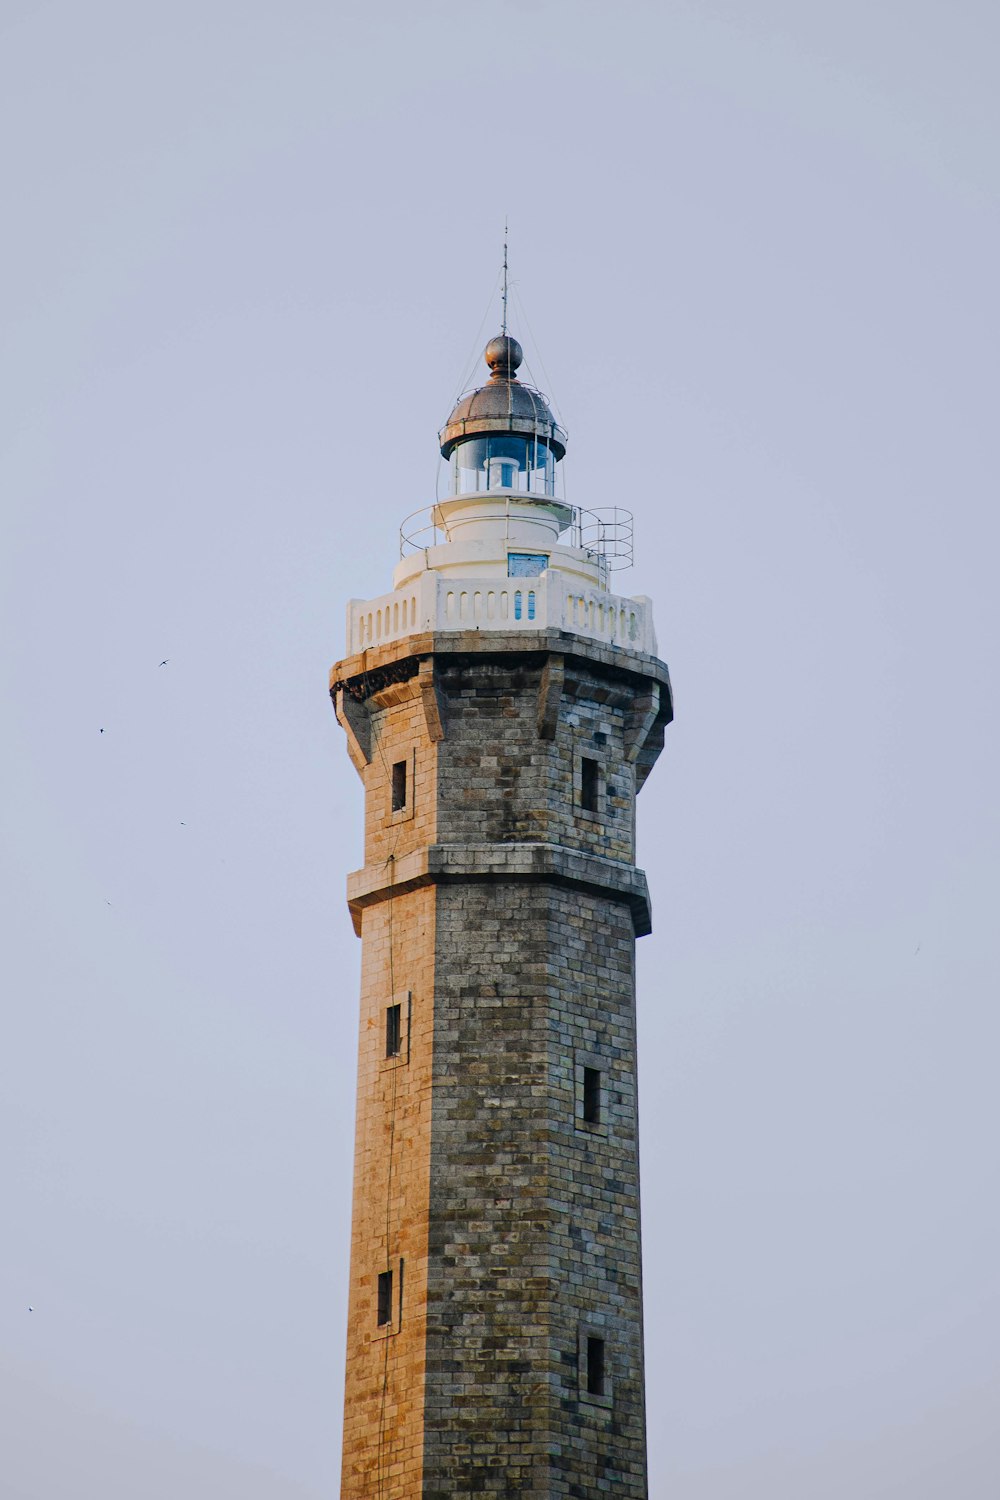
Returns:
(464,582)
(552,601)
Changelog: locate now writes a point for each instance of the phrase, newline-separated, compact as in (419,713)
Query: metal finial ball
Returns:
(503,355)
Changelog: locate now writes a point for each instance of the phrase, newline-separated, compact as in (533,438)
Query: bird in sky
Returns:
(163,663)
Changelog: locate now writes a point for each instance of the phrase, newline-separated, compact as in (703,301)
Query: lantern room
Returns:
(503,436)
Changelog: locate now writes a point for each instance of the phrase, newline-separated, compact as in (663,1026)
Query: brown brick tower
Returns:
(502,708)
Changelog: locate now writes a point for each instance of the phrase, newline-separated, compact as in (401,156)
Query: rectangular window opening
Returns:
(588,784)
(526,564)
(399,786)
(393,1030)
(384,1298)
(595,1366)
(592,1096)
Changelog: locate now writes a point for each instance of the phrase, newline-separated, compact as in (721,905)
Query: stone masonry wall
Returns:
(384,1397)
(534,1218)
(500,781)
(399,733)
(515,1221)
(383,1405)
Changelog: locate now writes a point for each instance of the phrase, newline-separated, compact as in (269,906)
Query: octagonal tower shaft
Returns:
(496,1198)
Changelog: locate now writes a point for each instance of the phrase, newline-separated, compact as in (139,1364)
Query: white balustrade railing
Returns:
(552,601)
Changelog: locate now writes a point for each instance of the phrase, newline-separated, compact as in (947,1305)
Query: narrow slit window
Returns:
(588,784)
(595,1366)
(384,1298)
(393,1030)
(399,786)
(592,1096)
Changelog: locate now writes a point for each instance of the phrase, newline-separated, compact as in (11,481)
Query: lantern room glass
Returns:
(526,465)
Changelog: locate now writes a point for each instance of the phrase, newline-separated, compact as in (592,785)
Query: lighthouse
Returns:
(502,705)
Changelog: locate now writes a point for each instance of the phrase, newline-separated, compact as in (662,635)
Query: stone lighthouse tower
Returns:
(502,707)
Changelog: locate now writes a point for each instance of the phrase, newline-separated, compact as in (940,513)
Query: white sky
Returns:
(246,251)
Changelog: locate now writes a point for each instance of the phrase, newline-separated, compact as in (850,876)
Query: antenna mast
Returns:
(503,329)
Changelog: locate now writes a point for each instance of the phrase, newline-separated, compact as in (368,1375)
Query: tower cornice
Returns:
(488,864)
(405,668)
(359,673)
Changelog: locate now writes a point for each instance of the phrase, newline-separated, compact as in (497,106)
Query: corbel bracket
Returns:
(642,745)
(355,720)
(550,691)
(431,699)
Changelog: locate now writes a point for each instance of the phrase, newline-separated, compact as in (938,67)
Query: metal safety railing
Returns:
(420,530)
(607,532)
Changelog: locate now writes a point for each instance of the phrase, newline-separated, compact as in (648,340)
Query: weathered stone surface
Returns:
(384,1401)
(552,863)
(534,1224)
(500,914)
